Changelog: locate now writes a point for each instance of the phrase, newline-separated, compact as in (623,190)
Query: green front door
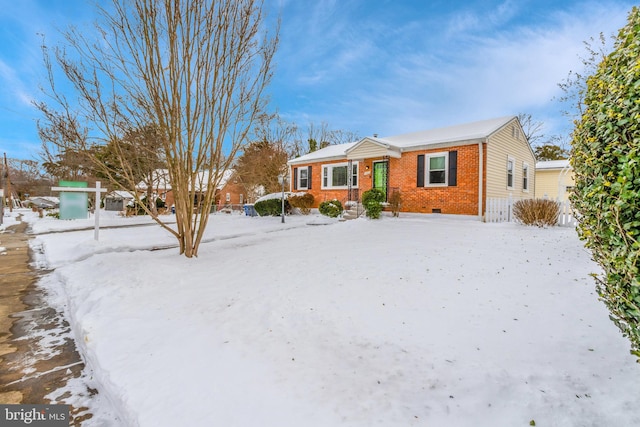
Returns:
(380,175)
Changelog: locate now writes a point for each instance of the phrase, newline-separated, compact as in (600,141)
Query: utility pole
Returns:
(2,189)
(6,175)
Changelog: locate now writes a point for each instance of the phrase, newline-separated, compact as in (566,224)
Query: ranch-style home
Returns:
(450,170)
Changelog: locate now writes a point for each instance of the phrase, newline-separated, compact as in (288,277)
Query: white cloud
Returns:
(14,86)
(420,80)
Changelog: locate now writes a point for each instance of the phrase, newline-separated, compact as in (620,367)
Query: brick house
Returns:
(229,190)
(451,170)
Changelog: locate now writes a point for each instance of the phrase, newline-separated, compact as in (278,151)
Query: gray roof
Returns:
(415,140)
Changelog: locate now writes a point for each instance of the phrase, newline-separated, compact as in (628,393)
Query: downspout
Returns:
(480,176)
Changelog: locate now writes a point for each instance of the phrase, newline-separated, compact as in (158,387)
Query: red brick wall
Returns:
(235,189)
(461,199)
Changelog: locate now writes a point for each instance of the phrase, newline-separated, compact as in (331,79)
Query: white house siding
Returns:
(500,146)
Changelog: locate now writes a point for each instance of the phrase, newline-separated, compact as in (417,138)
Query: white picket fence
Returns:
(501,210)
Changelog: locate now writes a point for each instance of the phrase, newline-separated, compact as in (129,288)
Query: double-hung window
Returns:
(510,172)
(302,178)
(437,169)
(436,165)
(525,177)
(337,175)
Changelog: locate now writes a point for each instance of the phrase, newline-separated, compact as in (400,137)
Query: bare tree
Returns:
(195,69)
(27,178)
(575,85)
(315,137)
(532,129)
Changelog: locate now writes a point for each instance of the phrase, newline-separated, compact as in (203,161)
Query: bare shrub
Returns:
(302,202)
(539,212)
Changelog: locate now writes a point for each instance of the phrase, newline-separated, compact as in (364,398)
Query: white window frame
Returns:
(327,176)
(299,180)
(513,172)
(427,169)
(525,177)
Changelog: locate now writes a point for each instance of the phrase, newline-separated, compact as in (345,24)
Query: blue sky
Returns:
(367,66)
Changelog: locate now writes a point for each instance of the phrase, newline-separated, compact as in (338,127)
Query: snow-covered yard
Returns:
(421,320)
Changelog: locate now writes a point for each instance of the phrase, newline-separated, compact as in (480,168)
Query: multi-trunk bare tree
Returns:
(194,71)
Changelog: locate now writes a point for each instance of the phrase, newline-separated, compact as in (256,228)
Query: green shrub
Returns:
(372,201)
(53,214)
(606,164)
(330,208)
(539,212)
(303,202)
(272,207)
(160,203)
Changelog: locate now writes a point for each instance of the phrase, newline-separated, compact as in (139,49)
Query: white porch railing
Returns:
(501,210)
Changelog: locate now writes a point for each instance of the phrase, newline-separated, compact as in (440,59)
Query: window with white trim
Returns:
(436,169)
(510,172)
(303,178)
(525,177)
(337,175)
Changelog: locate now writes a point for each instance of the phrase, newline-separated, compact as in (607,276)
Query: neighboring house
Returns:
(451,170)
(44,202)
(161,186)
(228,191)
(117,200)
(554,179)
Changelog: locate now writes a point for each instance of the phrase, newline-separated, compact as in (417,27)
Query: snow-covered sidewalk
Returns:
(421,320)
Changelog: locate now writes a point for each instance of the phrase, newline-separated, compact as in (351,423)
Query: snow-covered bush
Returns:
(330,208)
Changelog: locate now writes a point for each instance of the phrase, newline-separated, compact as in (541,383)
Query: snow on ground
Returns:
(421,320)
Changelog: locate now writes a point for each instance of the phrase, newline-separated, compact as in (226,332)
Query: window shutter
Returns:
(295,178)
(309,178)
(420,178)
(453,168)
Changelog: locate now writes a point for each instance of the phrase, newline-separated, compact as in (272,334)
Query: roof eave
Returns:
(443,144)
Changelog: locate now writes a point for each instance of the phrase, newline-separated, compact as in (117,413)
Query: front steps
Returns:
(353,211)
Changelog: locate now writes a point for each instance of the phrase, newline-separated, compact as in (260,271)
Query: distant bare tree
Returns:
(575,85)
(315,137)
(532,129)
(27,177)
(195,69)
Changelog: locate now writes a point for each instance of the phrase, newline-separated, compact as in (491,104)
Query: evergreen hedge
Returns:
(372,201)
(272,207)
(606,163)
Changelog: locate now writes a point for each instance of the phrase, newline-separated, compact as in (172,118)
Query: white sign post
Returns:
(97,190)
